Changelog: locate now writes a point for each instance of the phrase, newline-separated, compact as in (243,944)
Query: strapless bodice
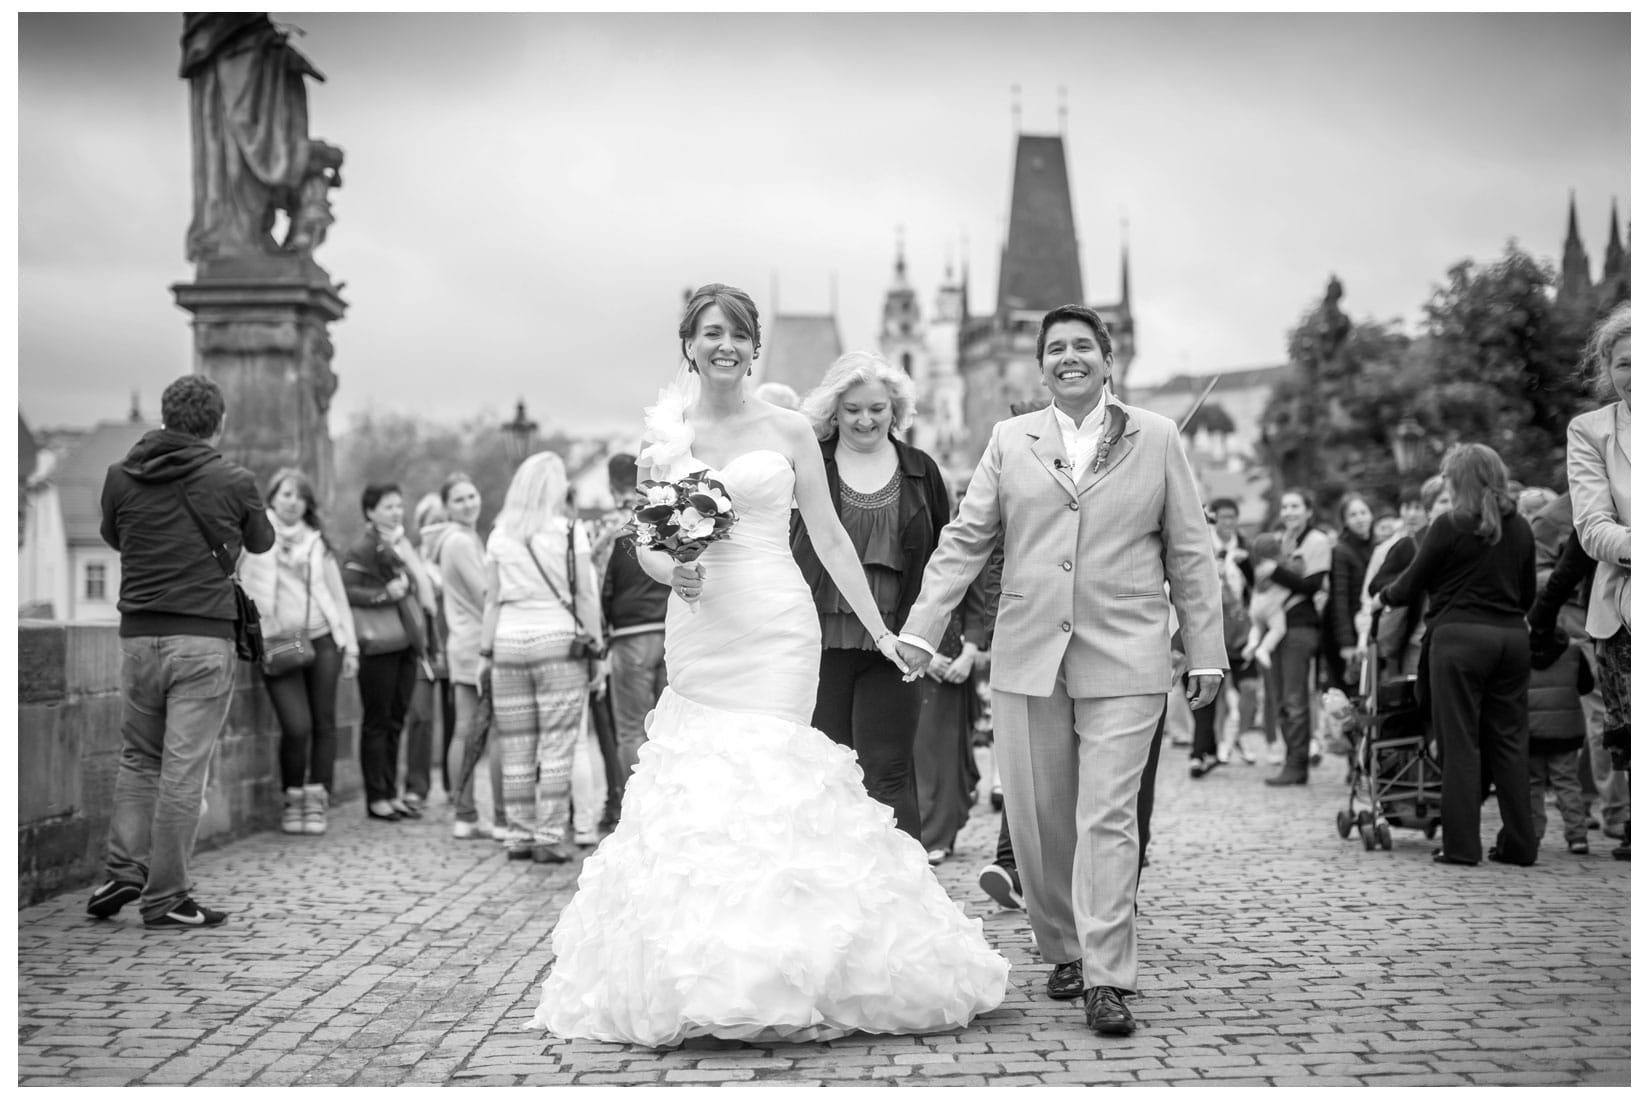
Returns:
(761,485)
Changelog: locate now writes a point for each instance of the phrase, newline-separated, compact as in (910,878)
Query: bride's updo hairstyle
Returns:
(736,306)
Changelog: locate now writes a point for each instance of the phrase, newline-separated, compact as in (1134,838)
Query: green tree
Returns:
(419,454)
(1498,364)
(1328,425)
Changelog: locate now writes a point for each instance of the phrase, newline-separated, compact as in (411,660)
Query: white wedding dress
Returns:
(752,889)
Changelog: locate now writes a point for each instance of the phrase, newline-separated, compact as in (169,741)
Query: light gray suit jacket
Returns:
(1600,468)
(1084,565)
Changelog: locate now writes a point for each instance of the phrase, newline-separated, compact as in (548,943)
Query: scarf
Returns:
(293,541)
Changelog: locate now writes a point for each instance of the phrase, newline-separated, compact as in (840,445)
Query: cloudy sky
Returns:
(527,196)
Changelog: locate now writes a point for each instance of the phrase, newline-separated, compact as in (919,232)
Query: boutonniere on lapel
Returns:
(1109,439)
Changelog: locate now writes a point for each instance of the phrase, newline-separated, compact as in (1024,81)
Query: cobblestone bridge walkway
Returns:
(1274,952)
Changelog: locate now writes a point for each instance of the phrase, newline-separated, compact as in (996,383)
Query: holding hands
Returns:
(397,587)
(912,660)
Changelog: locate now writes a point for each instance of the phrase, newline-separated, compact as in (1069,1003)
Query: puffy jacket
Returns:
(1556,721)
(169,581)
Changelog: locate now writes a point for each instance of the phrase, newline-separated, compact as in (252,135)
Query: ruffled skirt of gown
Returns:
(754,891)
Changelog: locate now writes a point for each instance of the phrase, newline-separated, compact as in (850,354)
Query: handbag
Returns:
(291,650)
(585,646)
(380,629)
(249,635)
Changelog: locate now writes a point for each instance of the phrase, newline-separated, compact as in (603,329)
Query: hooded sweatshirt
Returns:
(169,581)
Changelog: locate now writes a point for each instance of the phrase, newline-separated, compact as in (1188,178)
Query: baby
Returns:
(1266,619)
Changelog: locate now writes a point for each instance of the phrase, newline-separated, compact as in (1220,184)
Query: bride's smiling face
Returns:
(721,349)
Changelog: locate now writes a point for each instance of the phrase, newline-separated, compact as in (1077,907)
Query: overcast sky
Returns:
(525,197)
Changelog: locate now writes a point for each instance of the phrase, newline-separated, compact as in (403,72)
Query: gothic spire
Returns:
(1575,282)
(1615,256)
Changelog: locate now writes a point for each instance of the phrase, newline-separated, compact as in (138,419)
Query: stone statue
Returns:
(1333,325)
(253,156)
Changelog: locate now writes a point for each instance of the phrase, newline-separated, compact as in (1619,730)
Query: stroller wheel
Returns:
(1343,823)
(1365,818)
(1383,836)
(1367,834)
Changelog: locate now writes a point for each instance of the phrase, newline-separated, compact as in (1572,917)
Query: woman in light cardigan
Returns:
(297,587)
(1600,467)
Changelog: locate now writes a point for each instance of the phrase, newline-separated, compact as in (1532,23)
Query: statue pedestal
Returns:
(261,335)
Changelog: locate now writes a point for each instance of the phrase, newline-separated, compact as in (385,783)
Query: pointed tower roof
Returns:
(1615,256)
(1575,280)
(1040,268)
(1123,303)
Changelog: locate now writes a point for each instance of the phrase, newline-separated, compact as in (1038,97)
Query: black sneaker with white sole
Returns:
(1002,885)
(187,914)
(111,898)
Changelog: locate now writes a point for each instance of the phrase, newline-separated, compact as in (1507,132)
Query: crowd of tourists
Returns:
(519,666)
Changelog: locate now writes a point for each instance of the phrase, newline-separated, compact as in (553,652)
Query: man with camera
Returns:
(177,640)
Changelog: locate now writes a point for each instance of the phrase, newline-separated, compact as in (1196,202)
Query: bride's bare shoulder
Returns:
(795,429)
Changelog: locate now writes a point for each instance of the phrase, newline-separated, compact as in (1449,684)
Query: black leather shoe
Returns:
(1287,779)
(376,816)
(1065,981)
(1497,856)
(1438,856)
(1105,1011)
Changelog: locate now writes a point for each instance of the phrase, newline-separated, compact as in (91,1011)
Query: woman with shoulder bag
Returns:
(309,644)
(1303,572)
(1476,566)
(390,596)
(537,647)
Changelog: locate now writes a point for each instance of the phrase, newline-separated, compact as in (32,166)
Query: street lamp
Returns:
(519,433)
(1408,439)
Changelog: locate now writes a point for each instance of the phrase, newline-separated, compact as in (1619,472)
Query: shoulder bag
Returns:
(290,650)
(249,635)
(585,645)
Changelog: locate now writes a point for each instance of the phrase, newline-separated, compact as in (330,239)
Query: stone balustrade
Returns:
(68,724)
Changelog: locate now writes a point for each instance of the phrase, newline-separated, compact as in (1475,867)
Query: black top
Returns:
(924,510)
(631,598)
(1467,580)
(169,581)
(1348,562)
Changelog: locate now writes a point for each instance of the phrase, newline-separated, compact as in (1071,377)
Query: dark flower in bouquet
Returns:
(683,517)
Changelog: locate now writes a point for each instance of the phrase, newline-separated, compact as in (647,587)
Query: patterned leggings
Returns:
(539,697)
(1615,661)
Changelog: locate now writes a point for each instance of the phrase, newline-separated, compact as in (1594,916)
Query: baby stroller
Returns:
(1393,778)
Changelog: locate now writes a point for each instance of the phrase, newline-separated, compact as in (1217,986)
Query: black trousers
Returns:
(386,682)
(864,703)
(306,706)
(1143,808)
(1478,680)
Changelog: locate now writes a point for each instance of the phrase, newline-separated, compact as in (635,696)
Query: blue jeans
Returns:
(177,689)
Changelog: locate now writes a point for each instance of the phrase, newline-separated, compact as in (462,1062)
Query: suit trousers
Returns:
(1072,771)
(1478,680)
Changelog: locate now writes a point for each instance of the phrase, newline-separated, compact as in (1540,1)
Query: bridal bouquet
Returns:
(683,517)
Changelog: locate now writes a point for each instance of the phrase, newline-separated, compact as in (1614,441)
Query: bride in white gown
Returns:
(752,889)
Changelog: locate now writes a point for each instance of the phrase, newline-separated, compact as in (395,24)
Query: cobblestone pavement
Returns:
(1273,952)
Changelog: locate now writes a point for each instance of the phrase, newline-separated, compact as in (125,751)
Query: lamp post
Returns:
(1408,440)
(520,433)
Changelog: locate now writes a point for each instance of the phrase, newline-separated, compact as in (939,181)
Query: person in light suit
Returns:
(1599,461)
(1097,508)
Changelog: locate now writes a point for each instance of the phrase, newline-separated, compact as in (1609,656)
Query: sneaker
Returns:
(546,853)
(1316,752)
(1002,885)
(315,810)
(1578,847)
(587,840)
(110,898)
(936,856)
(472,830)
(187,914)
(518,850)
(292,811)
(1200,767)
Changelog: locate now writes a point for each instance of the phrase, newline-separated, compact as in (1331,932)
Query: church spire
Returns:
(1575,281)
(1615,256)
(1123,305)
